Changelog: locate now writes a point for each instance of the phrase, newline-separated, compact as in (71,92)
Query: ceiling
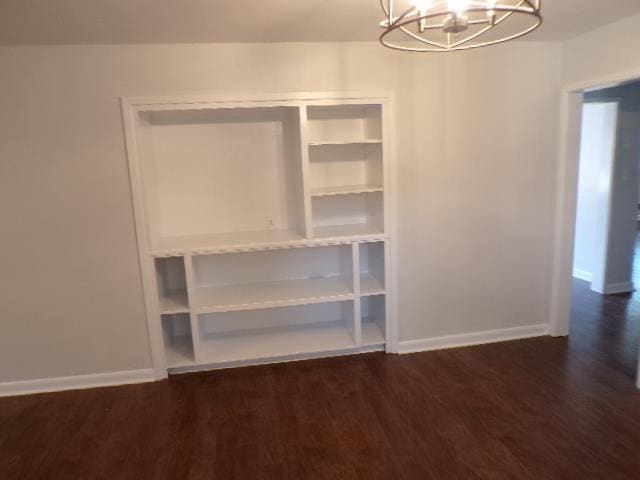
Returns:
(205,21)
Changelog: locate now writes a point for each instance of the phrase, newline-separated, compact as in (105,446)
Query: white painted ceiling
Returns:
(204,21)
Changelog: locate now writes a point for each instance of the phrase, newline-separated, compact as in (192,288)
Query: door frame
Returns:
(570,123)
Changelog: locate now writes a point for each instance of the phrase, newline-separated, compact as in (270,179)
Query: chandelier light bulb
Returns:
(422,5)
(458,6)
(491,5)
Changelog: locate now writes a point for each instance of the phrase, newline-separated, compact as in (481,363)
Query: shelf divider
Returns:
(195,328)
(345,190)
(357,306)
(306,174)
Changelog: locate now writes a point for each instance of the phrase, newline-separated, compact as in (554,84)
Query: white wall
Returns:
(597,152)
(602,53)
(476,184)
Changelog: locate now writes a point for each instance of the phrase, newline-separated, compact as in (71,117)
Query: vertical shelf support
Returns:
(357,305)
(306,187)
(390,330)
(191,285)
(156,335)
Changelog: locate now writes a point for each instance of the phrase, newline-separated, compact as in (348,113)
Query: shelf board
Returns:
(174,301)
(179,352)
(371,334)
(345,190)
(209,244)
(221,241)
(370,285)
(351,230)
(275,342)
(371,141)
(253,296)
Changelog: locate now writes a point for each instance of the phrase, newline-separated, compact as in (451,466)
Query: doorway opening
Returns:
(608,189)
(606,249)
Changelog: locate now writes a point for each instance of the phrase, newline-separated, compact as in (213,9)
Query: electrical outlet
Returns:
(269,223)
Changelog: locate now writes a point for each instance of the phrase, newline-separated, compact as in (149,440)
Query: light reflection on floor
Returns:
(600,321)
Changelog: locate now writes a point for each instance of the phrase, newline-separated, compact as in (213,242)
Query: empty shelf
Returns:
(345,142)
(251,296)
(351,230)
(174,301)
(345,190)
(221,241)
(370,285)
(179,352)
(371,334)
(275,342)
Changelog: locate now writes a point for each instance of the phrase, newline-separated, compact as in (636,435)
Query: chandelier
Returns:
(450,25)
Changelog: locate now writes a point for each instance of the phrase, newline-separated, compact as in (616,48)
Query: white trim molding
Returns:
(582,275)
(76,382)
(622,287)
(477,338)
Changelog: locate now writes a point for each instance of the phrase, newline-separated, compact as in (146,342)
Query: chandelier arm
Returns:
(486,29)
(506,39)
(422,39)
(387,12)
(435,26)
(404,15)
(402,27)
(406,30)
(479,22)
(428,42)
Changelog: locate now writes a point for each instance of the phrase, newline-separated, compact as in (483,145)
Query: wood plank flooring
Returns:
(533,409)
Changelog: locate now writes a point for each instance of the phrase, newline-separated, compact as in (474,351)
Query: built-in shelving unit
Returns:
(262,225)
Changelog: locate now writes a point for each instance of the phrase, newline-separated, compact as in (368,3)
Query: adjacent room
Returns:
(319,239)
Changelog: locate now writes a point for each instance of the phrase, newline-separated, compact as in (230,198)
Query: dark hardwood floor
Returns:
(534,409)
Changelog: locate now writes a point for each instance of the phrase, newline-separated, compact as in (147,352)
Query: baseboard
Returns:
(623,287)
(582,275)
(76,382)
(477,338)
(275,360)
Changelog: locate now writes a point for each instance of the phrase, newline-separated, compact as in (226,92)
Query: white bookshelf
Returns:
(263,226)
